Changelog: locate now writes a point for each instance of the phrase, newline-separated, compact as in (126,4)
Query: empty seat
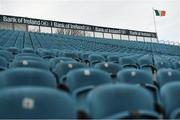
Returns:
(167,75)
(145,60)
(177,65)
(13,50)
(54,61)
(30,63)
(86,77)
(26,54)
(146,63)
(128,62)
(81,81)
(63,68)
(161,65)
(7,55)
(72,55)
(28,77)
(35,103)
(28,58)
(84,56)
(28,50)
(95,58)
(109,67)
(170,99)
(47,54)
(3,63)
(139,77)
(113,58)
(120,101)
(134,76)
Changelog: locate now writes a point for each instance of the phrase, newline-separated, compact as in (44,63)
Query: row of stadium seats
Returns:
(58,76)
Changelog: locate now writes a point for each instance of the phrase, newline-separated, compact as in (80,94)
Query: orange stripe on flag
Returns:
(163,13)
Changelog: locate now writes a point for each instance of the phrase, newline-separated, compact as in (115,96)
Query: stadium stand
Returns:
(62,76)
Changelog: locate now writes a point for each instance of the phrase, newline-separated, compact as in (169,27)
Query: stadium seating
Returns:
(102,78)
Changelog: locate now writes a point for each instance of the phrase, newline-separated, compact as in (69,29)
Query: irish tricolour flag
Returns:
(160,12)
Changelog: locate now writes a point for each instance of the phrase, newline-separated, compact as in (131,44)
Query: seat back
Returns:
(108,100)
(28,77)
(165,76)
(35,103)
(134,76)
(86,77)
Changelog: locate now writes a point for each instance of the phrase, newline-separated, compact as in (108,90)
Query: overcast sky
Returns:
(126,14)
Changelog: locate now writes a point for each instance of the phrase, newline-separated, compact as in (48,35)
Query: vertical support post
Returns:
(51,30)
(155,26)
(39,29)
(144,39)
(112,35)
(128,38)
(27,28)
(13,26)
(84,33)
(120,36)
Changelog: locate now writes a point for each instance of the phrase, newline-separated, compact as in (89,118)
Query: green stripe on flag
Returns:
(157,12)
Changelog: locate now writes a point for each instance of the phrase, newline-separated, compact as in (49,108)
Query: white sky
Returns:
(126,14)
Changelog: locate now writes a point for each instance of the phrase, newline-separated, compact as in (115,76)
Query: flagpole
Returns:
(155,26)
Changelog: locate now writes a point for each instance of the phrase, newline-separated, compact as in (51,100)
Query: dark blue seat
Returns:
(109,67)
(47,54)
(121,101)
(7,55)
(26,54)
(134,76)
(28,77)
(177,65)
(72,55)
(165,76)
(13,50)
(30,63)
(20,58)
(146,63)
(161,65)
(35,103)
(28,50)
(113,58)
(85,77)
(128,62)
(3,63)
(83,80)
(54,61)
(95,58)
(62,68)
(170,99)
